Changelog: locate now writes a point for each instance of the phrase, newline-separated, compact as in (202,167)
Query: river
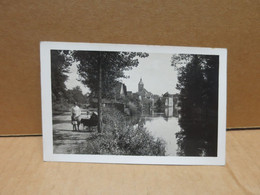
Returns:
(164,128)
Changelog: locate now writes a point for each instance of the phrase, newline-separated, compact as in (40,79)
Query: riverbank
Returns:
(120,136)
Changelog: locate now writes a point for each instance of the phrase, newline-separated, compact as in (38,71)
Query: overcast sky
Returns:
(73,79)
(156,72)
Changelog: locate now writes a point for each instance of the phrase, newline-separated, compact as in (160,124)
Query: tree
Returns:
(100,71)
(198,101)
(159,105)
(60,63)
(75,95)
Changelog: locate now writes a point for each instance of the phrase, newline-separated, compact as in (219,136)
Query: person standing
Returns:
(75,116)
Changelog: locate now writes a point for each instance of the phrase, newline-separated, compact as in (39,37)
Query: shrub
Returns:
(121,138)
(60,106)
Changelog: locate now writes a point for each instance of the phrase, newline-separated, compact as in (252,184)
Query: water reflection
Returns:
(163,126)
(168,112)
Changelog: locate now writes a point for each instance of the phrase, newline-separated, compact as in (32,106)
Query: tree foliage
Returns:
(159,105)
(100,72)
(198,102)
(113,65)
(76,95)
(60,63)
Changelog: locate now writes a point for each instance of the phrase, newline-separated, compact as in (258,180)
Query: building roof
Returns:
(141,82)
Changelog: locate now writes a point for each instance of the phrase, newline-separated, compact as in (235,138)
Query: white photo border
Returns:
(47,128)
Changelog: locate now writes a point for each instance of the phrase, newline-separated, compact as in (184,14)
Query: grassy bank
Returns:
(119,137)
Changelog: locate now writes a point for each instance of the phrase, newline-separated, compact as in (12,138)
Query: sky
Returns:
(156,72)
(73,80)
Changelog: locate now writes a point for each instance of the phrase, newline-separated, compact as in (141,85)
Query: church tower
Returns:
(140,85)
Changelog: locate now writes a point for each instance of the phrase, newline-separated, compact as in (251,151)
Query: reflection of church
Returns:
(171,104)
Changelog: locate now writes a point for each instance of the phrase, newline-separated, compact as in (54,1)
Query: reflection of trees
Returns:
(165,118)
(198,101)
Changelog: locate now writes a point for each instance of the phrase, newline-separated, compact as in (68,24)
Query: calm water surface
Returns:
(164,128)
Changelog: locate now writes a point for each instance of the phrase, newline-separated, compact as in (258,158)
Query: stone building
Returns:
(146,97)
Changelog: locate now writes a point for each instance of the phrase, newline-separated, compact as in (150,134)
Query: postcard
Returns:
(134,104)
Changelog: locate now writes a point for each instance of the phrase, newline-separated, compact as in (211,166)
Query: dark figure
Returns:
(92,122)
(75,125)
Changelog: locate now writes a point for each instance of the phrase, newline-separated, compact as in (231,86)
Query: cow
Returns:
(92,122)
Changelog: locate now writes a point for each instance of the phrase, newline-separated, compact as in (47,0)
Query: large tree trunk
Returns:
(99,95)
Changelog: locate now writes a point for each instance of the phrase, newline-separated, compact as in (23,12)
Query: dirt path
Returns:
(71,142)
(66,141)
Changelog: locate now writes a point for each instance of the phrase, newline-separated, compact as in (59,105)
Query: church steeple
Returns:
(140,85)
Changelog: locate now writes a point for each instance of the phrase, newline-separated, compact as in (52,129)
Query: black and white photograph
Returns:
(115,103)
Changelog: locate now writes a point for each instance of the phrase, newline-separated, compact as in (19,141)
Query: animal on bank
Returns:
(92,122)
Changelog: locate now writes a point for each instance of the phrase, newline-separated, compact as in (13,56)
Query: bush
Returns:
(60,107)
(121,138)
(134,109)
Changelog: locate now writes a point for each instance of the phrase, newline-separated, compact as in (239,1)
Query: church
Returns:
(142,92)
(146,98)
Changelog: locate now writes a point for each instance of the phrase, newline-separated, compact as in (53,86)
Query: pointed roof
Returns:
(141,82)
